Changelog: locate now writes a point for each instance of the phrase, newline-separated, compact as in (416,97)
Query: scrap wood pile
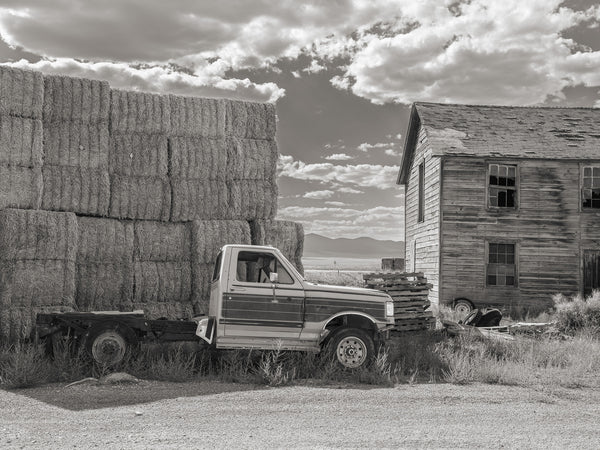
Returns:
(118,200)
(410,293)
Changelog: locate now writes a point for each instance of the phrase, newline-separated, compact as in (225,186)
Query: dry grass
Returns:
(335,278)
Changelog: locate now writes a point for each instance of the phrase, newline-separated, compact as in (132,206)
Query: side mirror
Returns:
(274,277)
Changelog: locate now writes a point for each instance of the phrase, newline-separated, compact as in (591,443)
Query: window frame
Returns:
(582,167)
(421,192)
(488,186)
(515,245)
(280,265)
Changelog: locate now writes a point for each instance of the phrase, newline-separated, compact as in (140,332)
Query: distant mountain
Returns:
(364,247)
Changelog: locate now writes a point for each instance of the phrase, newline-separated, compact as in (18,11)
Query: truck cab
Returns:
(259,300)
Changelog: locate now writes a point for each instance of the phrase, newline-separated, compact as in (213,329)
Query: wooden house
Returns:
(502,203)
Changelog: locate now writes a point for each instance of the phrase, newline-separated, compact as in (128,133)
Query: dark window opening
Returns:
(421,216)
(256,267)
(217,270)
(501,268)
(502,186)
(590,193)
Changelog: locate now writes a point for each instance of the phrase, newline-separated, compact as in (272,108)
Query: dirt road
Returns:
(215,415)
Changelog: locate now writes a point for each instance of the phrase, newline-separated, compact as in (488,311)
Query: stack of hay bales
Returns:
(75,172)
(21,99)
(140,187)
(144,190)
(37,267)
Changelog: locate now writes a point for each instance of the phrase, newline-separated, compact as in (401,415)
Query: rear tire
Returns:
(353,347)
(463,307)
(110,343)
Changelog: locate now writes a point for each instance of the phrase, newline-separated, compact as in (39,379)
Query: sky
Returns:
(342,73)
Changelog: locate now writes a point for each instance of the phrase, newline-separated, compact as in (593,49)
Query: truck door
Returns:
(256,310)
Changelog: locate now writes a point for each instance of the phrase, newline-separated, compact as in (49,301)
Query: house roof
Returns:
(503,131)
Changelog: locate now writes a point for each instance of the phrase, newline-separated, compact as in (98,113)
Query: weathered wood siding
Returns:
(423,236)
(548,228)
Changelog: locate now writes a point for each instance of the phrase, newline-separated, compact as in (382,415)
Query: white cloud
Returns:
(314,67)
(387,147)
(296,74)
(319,195)
(348,190)
(338,157)
(335,204)
(360,175)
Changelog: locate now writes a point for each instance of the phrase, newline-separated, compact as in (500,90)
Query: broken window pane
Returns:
(502,185)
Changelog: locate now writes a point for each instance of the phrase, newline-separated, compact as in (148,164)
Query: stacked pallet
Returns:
(121,200)
(410,294)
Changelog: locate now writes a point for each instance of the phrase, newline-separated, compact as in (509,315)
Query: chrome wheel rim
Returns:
(351,352)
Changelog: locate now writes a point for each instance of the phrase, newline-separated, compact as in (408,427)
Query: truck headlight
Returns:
(389,309)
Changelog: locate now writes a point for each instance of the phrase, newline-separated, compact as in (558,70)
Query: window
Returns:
(217,270)
(590,194)
(501,268)
(256,267)
(502,186)
(421,216)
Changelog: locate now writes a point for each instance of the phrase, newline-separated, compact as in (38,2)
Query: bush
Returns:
(577,314)
(24,366)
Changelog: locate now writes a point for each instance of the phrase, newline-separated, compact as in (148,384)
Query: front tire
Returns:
(353,347)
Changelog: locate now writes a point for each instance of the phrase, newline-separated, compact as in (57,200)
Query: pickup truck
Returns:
(258,300)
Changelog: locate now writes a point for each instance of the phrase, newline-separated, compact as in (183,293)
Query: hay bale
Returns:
(146,198)
(162,281)
(37,283)
(20,141)
(143,155)
(21,92)
(139,112)
(252,199)
(199,199)
(252,159)
(208,236)
(160,310)
(192,116)
(157,241)
(76,144)
(250,120)
(104,241)
(104,286)
(37,235)
(20,187)
(18,323)
(199,158)
(75,99)
(287,236)
(75,189)
(201,276)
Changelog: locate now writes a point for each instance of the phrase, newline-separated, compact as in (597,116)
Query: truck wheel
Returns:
(109,343)
(463,307)
(353,347)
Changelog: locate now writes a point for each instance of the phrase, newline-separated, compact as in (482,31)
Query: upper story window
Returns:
(502,186)
(590,194)
(256,267)
(421,212)
(501,267)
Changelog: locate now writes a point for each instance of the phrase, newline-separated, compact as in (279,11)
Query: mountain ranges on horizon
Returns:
(364,247)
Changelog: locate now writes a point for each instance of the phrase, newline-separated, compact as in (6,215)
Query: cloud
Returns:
(347,190)
(379,222)
(338,157)
(314,67)
(360,175)
(319,195)
(387,147)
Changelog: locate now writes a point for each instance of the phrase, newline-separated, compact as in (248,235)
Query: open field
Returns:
(345,264)
(215,415)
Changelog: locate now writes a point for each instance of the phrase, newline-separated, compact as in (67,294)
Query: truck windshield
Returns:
(217,272)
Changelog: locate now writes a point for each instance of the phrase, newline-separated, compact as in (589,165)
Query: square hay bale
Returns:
(75,189)
(160,310)
(142,155)
(287,236)
(104,286)
(252,199)
(75,99)
(161,242)
(199,158)
(18,323)
(208,236)
(76,144)
(21,92)
(139,112)
(20,187)
(199,199)
(21,141)
(201,275)
(37,283)
(145,198)
(193,116)
(104,241)
(37,235)
(162,281)
(250,120)
(252,159)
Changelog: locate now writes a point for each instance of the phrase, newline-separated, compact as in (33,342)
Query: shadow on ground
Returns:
(92,396)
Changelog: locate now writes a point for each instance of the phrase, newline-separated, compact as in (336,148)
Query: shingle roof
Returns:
(504,131)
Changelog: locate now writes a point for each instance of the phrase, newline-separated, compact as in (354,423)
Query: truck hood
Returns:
(373,294)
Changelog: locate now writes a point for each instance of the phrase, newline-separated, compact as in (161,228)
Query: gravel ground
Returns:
(218,415)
